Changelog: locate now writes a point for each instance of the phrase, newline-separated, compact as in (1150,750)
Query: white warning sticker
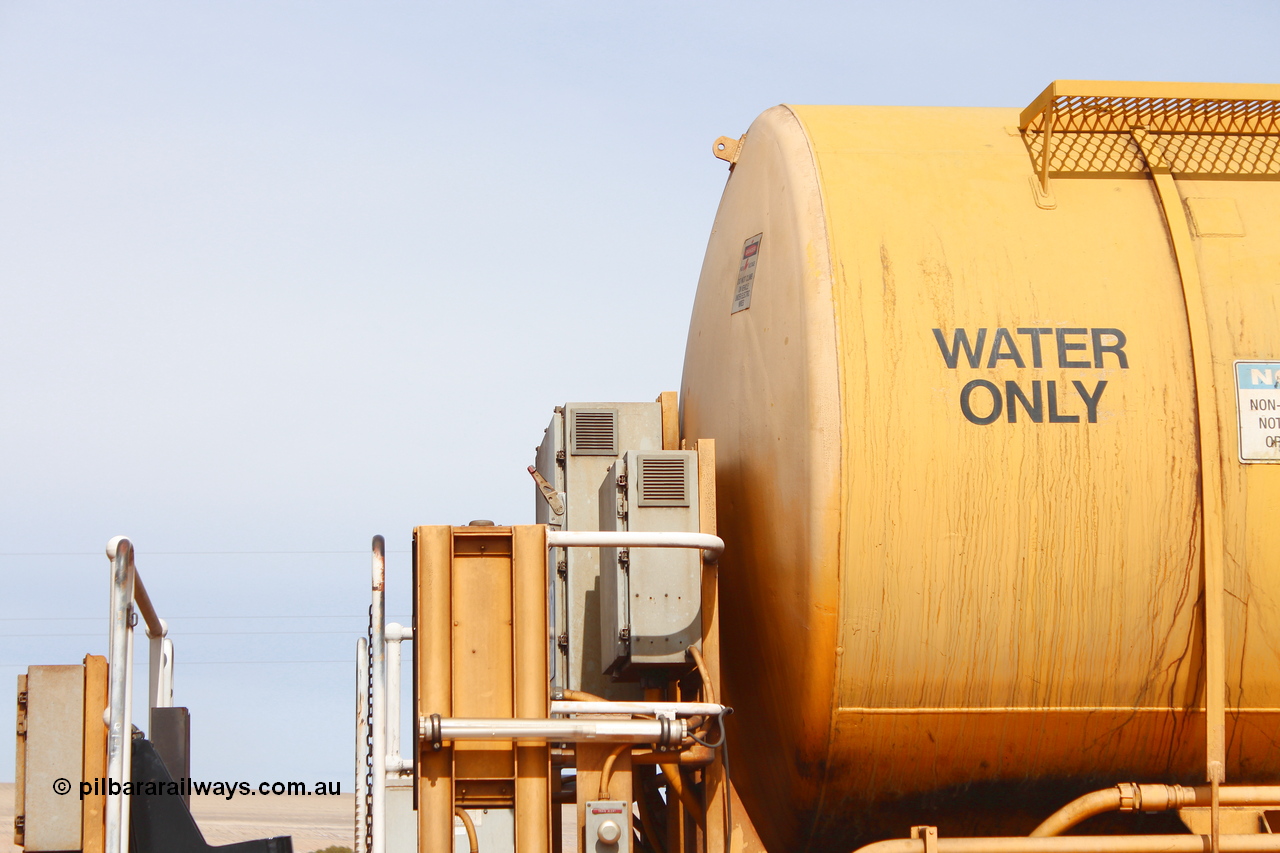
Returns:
(746,274)
(1258,410)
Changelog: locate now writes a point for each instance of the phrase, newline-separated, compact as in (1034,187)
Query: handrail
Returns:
(661,709)
(395,634)
(127,590)
(378,758)
(662,731)
(711,546)
(378,673)
(362,742)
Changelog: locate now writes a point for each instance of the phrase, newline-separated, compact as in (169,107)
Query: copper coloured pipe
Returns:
(1261,843)
(676,783)
(708,692)
(581,696)
(1151,798)
(607,771)
(472,841)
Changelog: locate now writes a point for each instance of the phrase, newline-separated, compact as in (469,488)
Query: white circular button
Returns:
(609,832)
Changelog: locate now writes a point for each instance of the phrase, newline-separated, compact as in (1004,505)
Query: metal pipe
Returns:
(580,696)
(167,663)
(470,827)
(396,763)
(156,626)
(1260,843)
(675,783)
(1215,778)
(436,729)
(120,552)
(694,756)
(607,770)
(126,803)
(160,669)
(708,691)
(362,740)
(680,709)
(1151,798)
(127,590)
(392,638)
(691,756)
(378,806)
(712,546)
(1078,810)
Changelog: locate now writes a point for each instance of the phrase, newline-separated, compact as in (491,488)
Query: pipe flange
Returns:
(671,732)
(437,742)
(1130,797)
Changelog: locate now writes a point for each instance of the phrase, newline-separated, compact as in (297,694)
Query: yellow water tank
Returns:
(995,401)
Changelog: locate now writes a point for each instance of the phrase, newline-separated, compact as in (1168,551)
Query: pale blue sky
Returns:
(277,276)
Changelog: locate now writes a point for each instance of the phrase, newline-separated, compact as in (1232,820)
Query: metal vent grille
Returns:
(1078,110)
(593,432)
(1201,129)
(1188,154)
(664,481)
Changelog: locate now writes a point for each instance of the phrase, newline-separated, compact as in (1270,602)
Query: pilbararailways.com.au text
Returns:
(186,786)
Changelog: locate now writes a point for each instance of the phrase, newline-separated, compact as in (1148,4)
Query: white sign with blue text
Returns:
(1258,410)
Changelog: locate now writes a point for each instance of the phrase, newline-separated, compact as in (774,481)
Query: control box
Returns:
(607,827)
(650,598)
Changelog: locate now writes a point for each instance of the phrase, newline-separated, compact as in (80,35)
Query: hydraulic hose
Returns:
(675,782)
(470,827)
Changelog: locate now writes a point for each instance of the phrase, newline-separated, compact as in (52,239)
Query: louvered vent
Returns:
(593,432)
(664,481)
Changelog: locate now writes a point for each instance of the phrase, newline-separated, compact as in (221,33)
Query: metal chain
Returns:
(368,756)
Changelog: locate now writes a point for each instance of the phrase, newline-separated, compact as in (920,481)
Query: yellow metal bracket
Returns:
(1081,127)
(727,148)
(927,834)
(1192,130)
(1210,455)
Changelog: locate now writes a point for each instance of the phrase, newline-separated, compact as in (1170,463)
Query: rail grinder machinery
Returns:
(959,536)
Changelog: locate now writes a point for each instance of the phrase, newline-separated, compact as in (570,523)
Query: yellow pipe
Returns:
(1151,798)
(675,782)
(1079,810)
(1211,473)
(1260,843)
(646,819)
(608,770)
(470,827)
(708,692)
(581,696)
(693,756)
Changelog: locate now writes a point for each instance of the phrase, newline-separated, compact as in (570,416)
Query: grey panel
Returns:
(402,821)
(615,621)
(545,463)
(656,614)
(639,429)
(549,462)
(662,480)
(593,432)
(600,813)
(495,831)
(170,734)
(55,751)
